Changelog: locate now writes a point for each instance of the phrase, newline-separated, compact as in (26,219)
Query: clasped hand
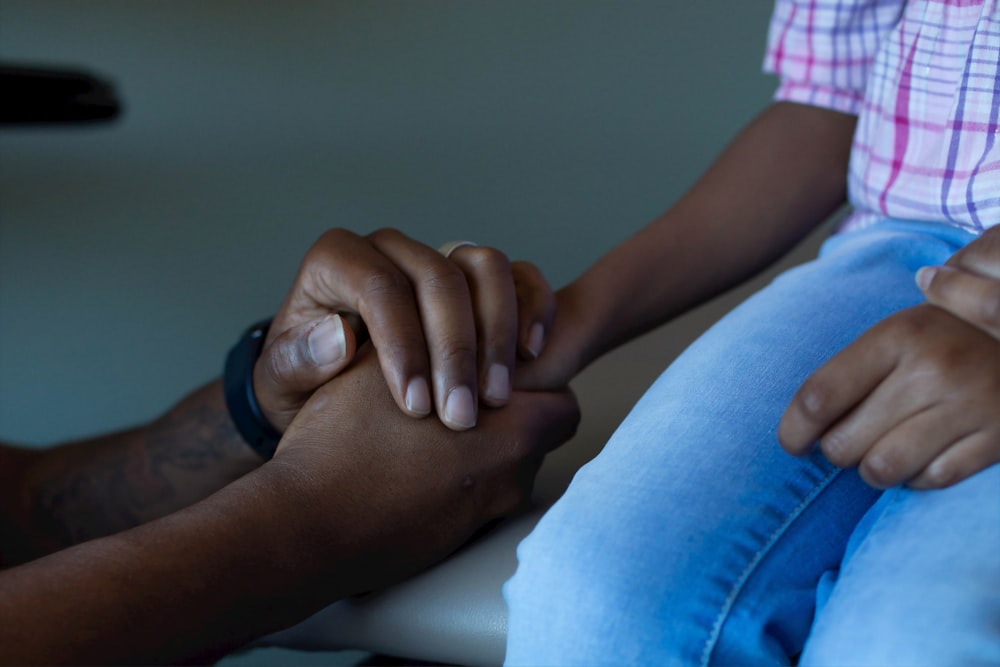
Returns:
(916,399)
(448,330)
(373,486)
(367,480)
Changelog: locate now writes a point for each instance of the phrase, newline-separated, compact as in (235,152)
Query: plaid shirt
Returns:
(923,77)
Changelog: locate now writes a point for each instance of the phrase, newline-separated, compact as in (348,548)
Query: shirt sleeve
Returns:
(822,50)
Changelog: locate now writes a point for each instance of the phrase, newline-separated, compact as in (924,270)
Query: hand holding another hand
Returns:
(389,494)
(447,329)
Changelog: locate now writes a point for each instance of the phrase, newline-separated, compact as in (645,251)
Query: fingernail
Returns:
(925,276)
(326,341)
(459,408)
(418,397)
(536,337)
(498,383)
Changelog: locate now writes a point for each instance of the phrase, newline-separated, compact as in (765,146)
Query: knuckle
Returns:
(939,475)
(982,252)
(443,276)
(836,447)
(938,367)
(527,270)
(881,469)
(989,309)
(322,251)
(334,235)
(279,363)
(331,238)
(387,235)
(486,257)
(457,352)
(382,282)
(500,348)
(911,323)
(814,399)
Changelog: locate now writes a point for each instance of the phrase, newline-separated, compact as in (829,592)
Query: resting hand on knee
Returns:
(912,400)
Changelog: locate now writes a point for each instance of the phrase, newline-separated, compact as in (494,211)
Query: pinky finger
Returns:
(536,309)
(963,459)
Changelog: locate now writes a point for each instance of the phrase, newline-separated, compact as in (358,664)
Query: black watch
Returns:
(237,382)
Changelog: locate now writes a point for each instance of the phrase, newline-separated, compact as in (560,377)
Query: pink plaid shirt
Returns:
(923,77)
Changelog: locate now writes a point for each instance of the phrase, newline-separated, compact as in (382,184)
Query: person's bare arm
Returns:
(358,496)
(54,498)
(782,176)
(64,495)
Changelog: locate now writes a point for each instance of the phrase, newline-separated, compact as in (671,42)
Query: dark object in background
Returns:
(42,95)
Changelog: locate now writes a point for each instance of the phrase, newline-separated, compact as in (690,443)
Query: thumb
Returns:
(553,417)
(297,362)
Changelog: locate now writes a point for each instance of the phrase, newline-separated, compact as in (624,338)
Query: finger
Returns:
(969,296)
(884,408)
(537,423)
(444,303)
(552,416)
(981,256)
(969,455)
(909,447)
(494,304)
(297,362)
(834,390)
(346,273)
(536,309)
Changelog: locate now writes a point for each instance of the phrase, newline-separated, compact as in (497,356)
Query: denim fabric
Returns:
(920,584)
(693,539)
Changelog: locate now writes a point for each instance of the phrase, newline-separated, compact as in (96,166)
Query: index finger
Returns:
(981,256)
(965,294)
(344,272)
(831,392)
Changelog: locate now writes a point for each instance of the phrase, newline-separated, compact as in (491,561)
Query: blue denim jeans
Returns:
(693,539)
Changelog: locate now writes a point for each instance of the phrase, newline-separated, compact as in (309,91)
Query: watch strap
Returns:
(241,400)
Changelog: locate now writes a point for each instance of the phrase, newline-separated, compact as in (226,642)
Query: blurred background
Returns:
(133,254)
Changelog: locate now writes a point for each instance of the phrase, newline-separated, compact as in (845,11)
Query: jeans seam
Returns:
(727,606)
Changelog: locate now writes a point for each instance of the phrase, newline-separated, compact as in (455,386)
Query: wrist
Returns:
(580,320)
(241,398)
(324,556)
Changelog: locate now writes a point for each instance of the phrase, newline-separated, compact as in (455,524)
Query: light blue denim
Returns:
(693,539)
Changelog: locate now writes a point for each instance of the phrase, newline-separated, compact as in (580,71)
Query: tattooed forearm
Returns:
(102,486)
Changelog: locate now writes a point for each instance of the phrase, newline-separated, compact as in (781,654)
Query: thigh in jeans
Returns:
(920,583)
(692,538)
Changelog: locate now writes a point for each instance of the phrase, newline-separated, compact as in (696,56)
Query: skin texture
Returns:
(968,286)
(358,496)
(172,542)
(783,175)
(441,325)
(58,497)
(66,494)
(914,399)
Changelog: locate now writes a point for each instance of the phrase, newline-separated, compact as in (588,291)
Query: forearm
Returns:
(79,491)
(783,175)
(190,586)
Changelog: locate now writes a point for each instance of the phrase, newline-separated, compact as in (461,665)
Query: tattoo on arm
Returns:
(106,485)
